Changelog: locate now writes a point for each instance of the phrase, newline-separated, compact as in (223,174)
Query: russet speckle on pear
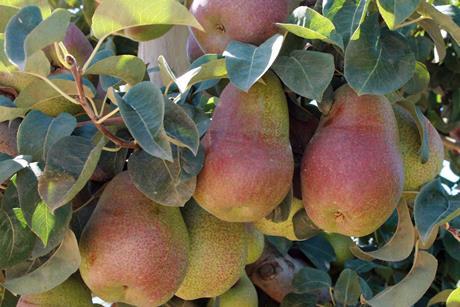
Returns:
(249,164)
(352,172)
(133,250)
(241,20)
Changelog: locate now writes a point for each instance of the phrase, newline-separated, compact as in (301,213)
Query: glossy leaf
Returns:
(444,21)
(214,69)
(191,164)
(143,109)
(435,33)
(16,32)
(347,15)
(394,12)
(126,67)
(38,132)
(452,246)
(179,126)
(319,251)
(246,63)
(38,64)
(378,61)
(307,73)
(419,81)
(347,289)
(70,163)
(310,279)
(16,240)
(299,300)
(309,24)
(63,262)
(433,207)
(160,180)
(400,246)
(412,287)
(36,213)
(9,167)
(6,13)
(113,16)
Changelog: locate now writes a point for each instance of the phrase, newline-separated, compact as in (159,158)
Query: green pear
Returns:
(352,171)
(241,20)
(133,250)
(71,293)
(256,243)
(8,135)
(341,245)
(218,253)
(242,294)
(284,229)
(248,164)
(416,173)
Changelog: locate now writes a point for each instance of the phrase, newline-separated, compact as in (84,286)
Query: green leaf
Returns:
(6,13)
(50,30)
(319,251)
(214,69)
(299,300)
(401,244)
(16,32)
(179,126)
(435,33)
(7,299)
(443,20)
(38,132)
(412,287)
(454,298)
(160,180)
(116,15)
(451,246)
(36,213)
(143,109)
(378,62)
(419,81)
(347,15)
(394,12)
(63,262)
(38,64)
(126,67)
(8,111)
(16,240)
(246,63)
(309,24)
(433,207)
(9,167)
(307,73)
(347,288)
(191,164)
(310,279)
(419,119)
(70,163)
(42,4)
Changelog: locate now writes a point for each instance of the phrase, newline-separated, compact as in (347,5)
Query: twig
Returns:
(76,72)
(114,121)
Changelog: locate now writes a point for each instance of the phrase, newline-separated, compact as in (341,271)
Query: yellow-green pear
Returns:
(416,173)
(218,253)
(341,245)
(71,293)
(284,229)
(256,244)
(242,294)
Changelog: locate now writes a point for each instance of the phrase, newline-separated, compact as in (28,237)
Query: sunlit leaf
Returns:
(394,12)
(214,69)
(126,67)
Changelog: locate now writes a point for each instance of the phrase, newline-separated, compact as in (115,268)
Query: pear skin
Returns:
(133,250)
(256,243)
(71,293)
(416,174)
(241,20)
(194,50)
(218,253)
(248,164)
(242,294)
(352,172)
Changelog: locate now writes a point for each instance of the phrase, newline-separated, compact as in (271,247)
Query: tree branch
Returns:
(76,72)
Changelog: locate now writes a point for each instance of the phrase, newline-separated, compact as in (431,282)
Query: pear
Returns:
(242,294)
(133,250)
(194,50)
(256,243)
(248,164)
(71,293)
(241,20)
(218,253)
(341,245)
(352,172)
(284,229)
(416,174)
(8,136)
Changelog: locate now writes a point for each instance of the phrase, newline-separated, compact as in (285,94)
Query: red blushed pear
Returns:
(352,171)
(242,20)
(249,164)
